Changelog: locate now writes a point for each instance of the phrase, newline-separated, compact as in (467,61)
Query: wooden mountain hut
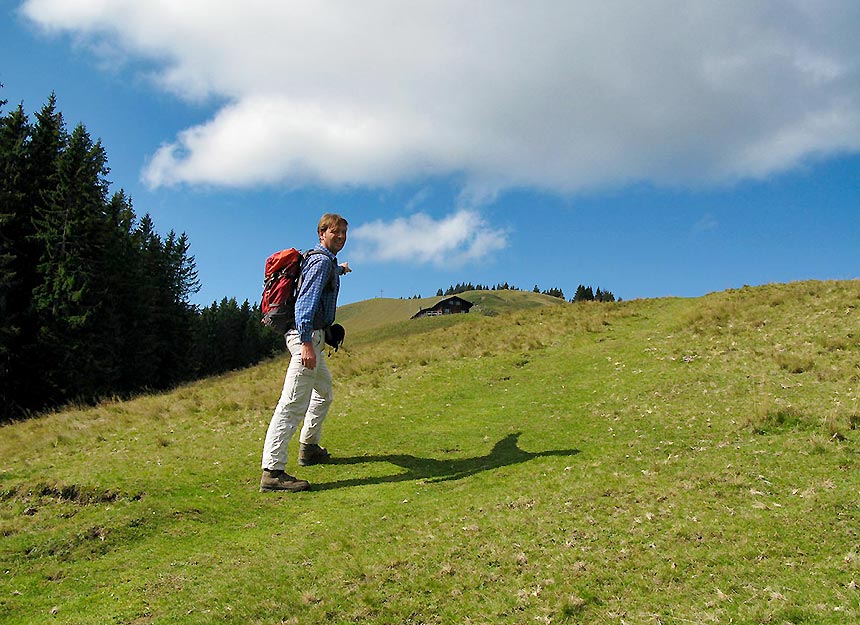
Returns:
(448,306)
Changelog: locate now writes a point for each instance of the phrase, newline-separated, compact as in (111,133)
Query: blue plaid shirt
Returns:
(316,301)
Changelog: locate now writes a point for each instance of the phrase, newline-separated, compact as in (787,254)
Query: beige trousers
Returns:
(306,395)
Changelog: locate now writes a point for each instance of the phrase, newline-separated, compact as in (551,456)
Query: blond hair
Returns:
(331,220)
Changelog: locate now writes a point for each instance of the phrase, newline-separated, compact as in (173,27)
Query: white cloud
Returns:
(452,241)
(556,95)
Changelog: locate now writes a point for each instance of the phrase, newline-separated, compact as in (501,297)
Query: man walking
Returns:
(307,392)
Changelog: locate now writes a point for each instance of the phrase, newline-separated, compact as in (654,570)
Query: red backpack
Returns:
(279,289)
(280,286)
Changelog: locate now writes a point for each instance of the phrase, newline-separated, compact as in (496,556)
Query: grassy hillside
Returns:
(661,461)
(375,313)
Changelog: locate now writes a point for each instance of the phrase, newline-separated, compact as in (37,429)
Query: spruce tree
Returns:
(119,291)
(17,259)
(33,367)
(72,236)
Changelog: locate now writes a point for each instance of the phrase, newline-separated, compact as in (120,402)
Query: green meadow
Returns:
(665,461)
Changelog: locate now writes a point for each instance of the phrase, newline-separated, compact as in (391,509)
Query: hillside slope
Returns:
(378,312)
(657,461)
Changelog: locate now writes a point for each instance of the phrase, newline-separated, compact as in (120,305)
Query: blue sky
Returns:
(659,148)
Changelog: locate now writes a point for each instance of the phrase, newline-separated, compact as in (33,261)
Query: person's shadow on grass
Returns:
(504,453)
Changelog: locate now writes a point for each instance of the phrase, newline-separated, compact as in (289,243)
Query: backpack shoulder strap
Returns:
(316,252)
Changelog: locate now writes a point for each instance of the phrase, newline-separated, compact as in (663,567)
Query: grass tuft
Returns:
(779,419)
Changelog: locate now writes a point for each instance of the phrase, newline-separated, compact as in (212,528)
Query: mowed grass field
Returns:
(666,461)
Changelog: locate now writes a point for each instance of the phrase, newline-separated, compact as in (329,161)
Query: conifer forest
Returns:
(94,302)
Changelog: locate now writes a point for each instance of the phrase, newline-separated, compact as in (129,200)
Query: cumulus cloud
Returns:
(454,240)
(554,95)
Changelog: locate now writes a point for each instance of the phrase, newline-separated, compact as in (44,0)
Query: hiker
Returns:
(307,392)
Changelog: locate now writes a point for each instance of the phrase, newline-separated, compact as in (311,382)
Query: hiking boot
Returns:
(312,454)
(281,480)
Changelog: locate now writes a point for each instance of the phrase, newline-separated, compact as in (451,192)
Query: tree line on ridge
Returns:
(583,293)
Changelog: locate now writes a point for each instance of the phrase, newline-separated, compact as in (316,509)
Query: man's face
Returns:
(334,239)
